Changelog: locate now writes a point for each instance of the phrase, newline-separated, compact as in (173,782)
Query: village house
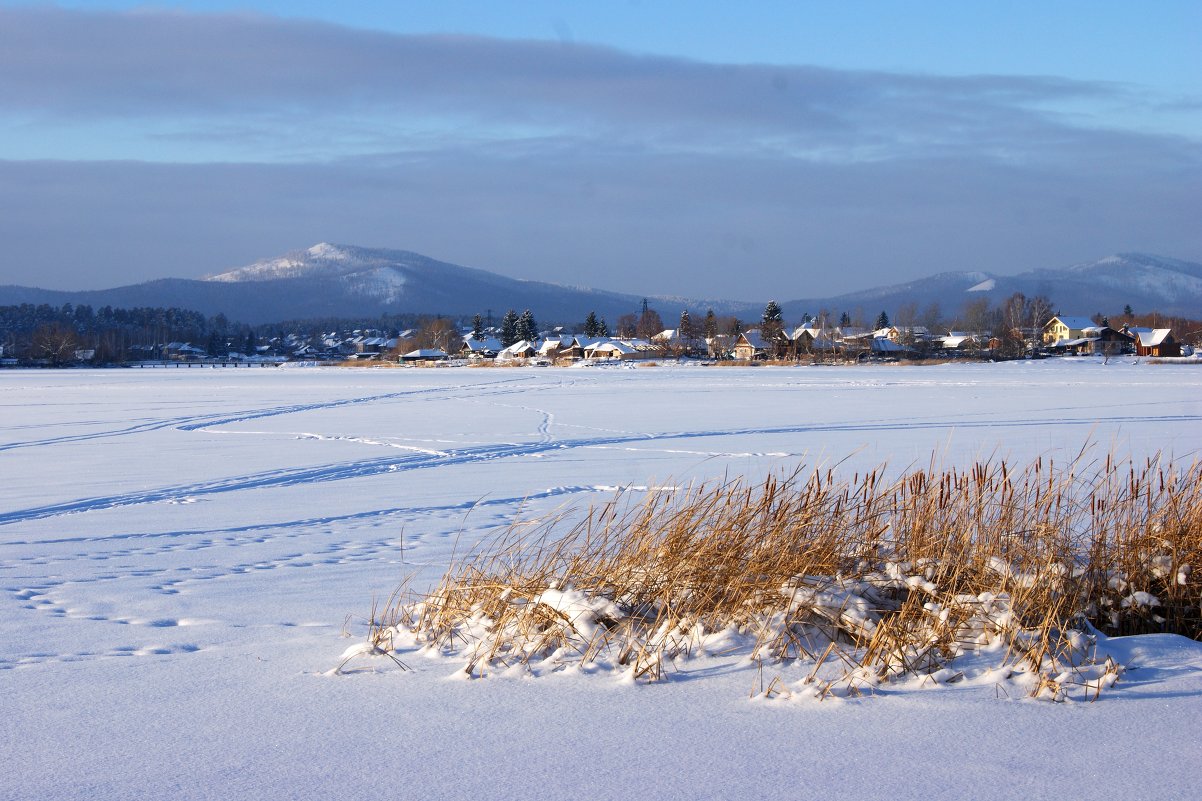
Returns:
(811,338)
(1063,329)
(556,348)
(183,351)
(486,348)
(577,348)
(906,335)
(612,350)
(1156,342)
(522,349)
(956,342)
(719,346)
(424,355)
(1092,338)
(751,346)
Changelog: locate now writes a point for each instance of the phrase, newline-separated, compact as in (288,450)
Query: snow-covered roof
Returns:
(553,344)
(425,353)
(809,329)
(1074,323)
(521,346)
(612,346)
(184,347)
(488,344)
(754,339)
(1150,339)
(886,345)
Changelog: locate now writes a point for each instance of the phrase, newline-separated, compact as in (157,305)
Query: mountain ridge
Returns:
(331,280)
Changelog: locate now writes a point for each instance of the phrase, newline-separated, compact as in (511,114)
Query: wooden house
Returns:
(1157,342)
(612,350)
(750,346)
(486,348)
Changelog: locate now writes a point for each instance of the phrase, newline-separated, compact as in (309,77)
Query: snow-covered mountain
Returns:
(1144,282)
(376,275)
(345,281)
(374,280)
(329,280)
(1157,281)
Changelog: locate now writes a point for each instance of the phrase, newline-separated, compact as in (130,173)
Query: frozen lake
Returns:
(181,549)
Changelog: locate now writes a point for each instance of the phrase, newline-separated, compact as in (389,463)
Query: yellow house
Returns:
(1059,329)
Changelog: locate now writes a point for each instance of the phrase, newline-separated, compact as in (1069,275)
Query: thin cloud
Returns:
(270,76)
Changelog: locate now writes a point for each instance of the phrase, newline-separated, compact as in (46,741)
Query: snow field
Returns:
(181,552)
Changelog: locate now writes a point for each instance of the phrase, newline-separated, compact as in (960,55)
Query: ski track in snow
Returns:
(430,460)
(203,422)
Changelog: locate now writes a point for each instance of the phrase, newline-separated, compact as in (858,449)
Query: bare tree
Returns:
(932,317)
(1039,311)
(54,342)
(649,324)
(437,334)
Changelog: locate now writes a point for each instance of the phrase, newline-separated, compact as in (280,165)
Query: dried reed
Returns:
(867,580)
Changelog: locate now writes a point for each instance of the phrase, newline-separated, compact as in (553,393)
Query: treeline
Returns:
(1183,327)
(387,324)
(55,334)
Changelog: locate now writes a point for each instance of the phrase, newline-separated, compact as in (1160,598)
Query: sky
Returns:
(781,150)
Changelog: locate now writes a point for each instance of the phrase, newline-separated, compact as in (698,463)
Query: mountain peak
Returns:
(322,259)
(324,250)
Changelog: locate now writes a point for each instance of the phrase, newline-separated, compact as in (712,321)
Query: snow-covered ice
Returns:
(182,551)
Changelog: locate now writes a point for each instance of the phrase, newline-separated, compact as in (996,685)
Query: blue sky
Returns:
(647,147)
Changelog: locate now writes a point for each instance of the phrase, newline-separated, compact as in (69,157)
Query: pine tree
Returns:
(844,319)
(216,346)
(527,327)
(882,321)
(686,331)
(591,325)
(509,328)
(772,327)
(477,327)
(602,328)
(711,325)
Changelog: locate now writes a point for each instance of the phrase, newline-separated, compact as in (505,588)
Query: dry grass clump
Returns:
(860,582)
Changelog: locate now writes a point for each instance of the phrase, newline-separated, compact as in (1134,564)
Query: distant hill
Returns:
(345,281)
(1145,282)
